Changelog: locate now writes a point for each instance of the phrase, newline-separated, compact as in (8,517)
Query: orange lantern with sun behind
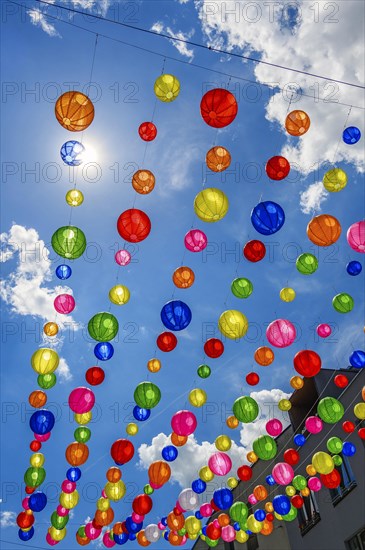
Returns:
(218,158)
(143,182)
(324,230)
(297,123)
(77,453)
(37,399)
(74,111)
(183,277)
(264,356)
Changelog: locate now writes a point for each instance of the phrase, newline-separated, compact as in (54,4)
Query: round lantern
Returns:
(167,88)
(103,327)
(233,324)
(351,135)
(195,240)
(356,236)
(264,356)
(283,473)
(134,225)
(74,111)
(69,242)
(281,333)
(265,447)
(218,159)
(211,205)
(166,341)
(184,423)
(267,217)
(277,168)
(143,181)
(343,302)
(324,330)
(122,451)
(213,348)
(147,395)
(71,153)
(220,464)
(330,410)
(354,268)
(147,131)
(45,361)
(245,409)
(307,363)
(74,197)
(183,277)
(306,264)
(241,287)
(176,315)
(218,108)
(297,123)
(159,473)
(323,462)
(81,400)
(335,180)
(254,251)
(324,230)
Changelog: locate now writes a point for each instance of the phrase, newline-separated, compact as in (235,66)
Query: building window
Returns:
(357,542)
(348,482)
(308,514)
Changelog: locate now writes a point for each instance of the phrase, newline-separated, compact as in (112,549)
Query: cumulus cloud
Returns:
(306,40)
(311,199)
(64,371)
(7,519)
(181,47)
(38,19)
(195,455)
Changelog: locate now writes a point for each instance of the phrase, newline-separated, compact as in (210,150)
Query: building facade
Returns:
(330,519)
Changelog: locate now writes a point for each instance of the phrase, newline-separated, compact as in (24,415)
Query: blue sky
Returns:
(123,81)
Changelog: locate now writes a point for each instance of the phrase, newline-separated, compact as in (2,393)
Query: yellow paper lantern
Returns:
(278,516)
(305,492)
(69,500)
(74,197)
(197,397)
(132,428)
(223,443)
(296,382)
(119,295)
(167,88)
(206,474)
(254,525)
(335,180)
(37,460)
(290,490)
(211,205)
(284,405)
(233,324)
(232,422)
(252,457)
(115,491)
(241,536)
(192,525)
(359,411)
(154,365)
(83,418)
(311,471)
(269,507)
(323,462)
(103,504)
(50,329)
(232,482)
(45,360)
(287,294)
(57,534)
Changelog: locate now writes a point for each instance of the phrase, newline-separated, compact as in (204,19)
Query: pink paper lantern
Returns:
(178,506)
(184,423)
(228,533)
(155,486)
(281,333)
(91,532)
(216,523)
(313,424)
(220,464)
(324,330)
(42,438)
(137,518)
(122,257)
(161,526)
(356,236)
(274,427)
(206,510)
(314,484)
(81,400)
(252,499)
(50,540)
(64,303)
(25,504)
(61,511)
(103,494)
(68,486)
(195,240)
(183,540)
(283,473)
(107,541)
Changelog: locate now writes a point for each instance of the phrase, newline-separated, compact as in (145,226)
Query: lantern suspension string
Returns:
(191,64)
(198,45)
(340,138)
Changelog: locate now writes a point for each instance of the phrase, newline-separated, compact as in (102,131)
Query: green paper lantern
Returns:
(245,409)
(82,434)
(147,489)
(330,410)
(147,395)
(204,371)
(81,531)
(59,522)
(299,482)
(291,515)
(306,263)
(69,242)
(241,287)
(343,303)
(103,327)
(238,511)
(334,445)
(34,476)
(265,447)
(46,381)
(337,460)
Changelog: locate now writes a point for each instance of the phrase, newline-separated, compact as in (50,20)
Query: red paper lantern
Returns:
(24,520)
(341,380)
(244,473)
(147,131)
(213,348)
(213,532)
(122,451)
(270,517)
(29,490)
(166,341)
(254,251)
(218,108)
(134,225)
(291,456)
(348,426)
(307,363)
(361,433)
(277,168)
(35,446)
(252,379)
(297,501)
(332,480)
(142,505)
(95,376)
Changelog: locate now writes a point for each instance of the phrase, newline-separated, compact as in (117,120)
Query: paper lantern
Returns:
(159,473)
(143,181)
(241,287)
(267,217)
(50,329)
(281,333)
(147,131)
(351,135)
(218,108)
(218,159)
(166,341)
(74,111)
(119,295)
(103,327)
(211,205)
(306,264)
(287,294)
(307,363)
(264,356)
(184,423)
(265,447)
(183,277)
(220,464)
(323,462)
(195,240)
(335,180)
(343,302)
(297,123)
(245,409)
(167,88)
(356,236)
(74,197)
(77,454)
(254,251)
(283,473)
(277,168)
(69,242)
(134,225)
(213,348)
(147,395)
(122,451)
(324,230)
(233,324)
(330,410)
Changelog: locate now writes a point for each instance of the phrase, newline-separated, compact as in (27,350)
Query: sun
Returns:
(90,154)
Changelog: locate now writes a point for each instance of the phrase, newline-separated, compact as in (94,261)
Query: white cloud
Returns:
(310,43)
(7,519)
(183,1)
(38,19)
(181,47)
(63,371)
(312,198)
(193,455)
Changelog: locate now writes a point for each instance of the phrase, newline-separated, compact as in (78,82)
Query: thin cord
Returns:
(188,63)
(196,44)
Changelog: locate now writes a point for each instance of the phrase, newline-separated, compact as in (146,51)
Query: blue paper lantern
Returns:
(37,501)
(73,474)
(223,498)
(204,530)
(164,521)
(169,453)
(166,535)
(299,440)
(354,268)
(236,526)
(26,535)
(176,315)
(198,486)
(132,526)
(141,414)
(198,514)
(260,514)
(348,449)
(121,539)
(357,359)
(71,153)
(132,536)
(63,272)
(270,480)
(267,217)
(41,422)
(104,351)
(351,135)
(281,504)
